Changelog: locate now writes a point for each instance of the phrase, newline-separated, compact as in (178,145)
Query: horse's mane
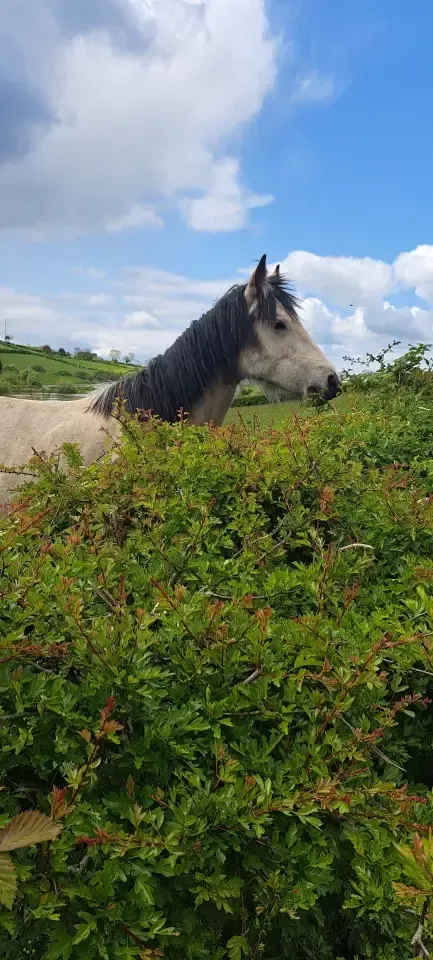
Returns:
(207,351)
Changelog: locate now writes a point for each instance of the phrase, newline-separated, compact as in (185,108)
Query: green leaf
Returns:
(237,947)
(83,931)
(8,881)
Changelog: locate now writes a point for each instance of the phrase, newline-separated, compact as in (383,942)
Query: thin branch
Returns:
(39,456)
(258,672)
(375,750)
(419,950)
(12,716)
(37,666)
(106,597)
(356,546)
(418,947)
(426,673)
(133,936)
(253,596)
(79,867)
(191,548)
(91,645)
(17,473)
(160,588)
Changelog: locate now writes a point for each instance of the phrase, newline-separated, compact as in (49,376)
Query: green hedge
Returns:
(216,674)
(251,400)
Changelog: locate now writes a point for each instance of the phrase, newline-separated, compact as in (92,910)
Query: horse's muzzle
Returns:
(333,388)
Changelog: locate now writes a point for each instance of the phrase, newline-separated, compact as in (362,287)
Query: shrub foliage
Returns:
(216,678)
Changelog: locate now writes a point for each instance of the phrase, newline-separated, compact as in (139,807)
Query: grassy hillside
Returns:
(54,370)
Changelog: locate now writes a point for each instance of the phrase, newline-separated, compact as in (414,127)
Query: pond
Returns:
(44,395)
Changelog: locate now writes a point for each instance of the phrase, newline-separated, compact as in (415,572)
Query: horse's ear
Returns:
(276,273)
(256,281)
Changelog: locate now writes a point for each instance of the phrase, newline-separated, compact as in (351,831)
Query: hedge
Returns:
(216,680)
(250,400)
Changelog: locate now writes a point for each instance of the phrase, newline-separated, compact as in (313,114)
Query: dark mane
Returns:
(206,352)
(284,294)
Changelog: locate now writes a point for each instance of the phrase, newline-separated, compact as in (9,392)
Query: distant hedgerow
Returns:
(216,679)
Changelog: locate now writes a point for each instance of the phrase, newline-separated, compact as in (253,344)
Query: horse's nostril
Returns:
(333,387)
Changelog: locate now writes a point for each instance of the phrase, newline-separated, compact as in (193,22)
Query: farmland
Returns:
(53,370)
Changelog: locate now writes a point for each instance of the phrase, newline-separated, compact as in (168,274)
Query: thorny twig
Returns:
(16,473)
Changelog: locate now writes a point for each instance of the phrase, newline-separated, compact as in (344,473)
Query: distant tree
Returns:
(29,378)
(46,348)
(11,373)
(246,391)
(8,337)
(85,355)
(62,352)
(115,355)
(129,358)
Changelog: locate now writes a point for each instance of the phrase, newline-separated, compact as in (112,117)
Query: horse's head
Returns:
(281,354)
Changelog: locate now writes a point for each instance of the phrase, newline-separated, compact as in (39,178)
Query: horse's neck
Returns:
(213,405)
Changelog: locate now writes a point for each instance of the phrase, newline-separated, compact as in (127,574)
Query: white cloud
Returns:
(341,280)
(140,318)
(137,216)
(143,343)
(26,315)
(99,300)
(405,323)
(158,281)
(415,270)
(227,203)
(319,320)
(134,123)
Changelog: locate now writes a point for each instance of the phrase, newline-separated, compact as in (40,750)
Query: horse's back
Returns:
(43,425)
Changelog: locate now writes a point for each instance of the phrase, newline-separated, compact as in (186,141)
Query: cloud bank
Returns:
(347,305)
(132,103)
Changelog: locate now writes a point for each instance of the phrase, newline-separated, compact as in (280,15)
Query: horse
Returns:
(252,332)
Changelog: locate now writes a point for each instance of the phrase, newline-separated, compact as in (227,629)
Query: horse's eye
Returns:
(280,325)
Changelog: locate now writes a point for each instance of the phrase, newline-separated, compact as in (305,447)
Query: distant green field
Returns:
(75,372)
(274,413)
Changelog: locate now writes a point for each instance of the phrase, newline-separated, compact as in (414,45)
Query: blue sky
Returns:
(152,150)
